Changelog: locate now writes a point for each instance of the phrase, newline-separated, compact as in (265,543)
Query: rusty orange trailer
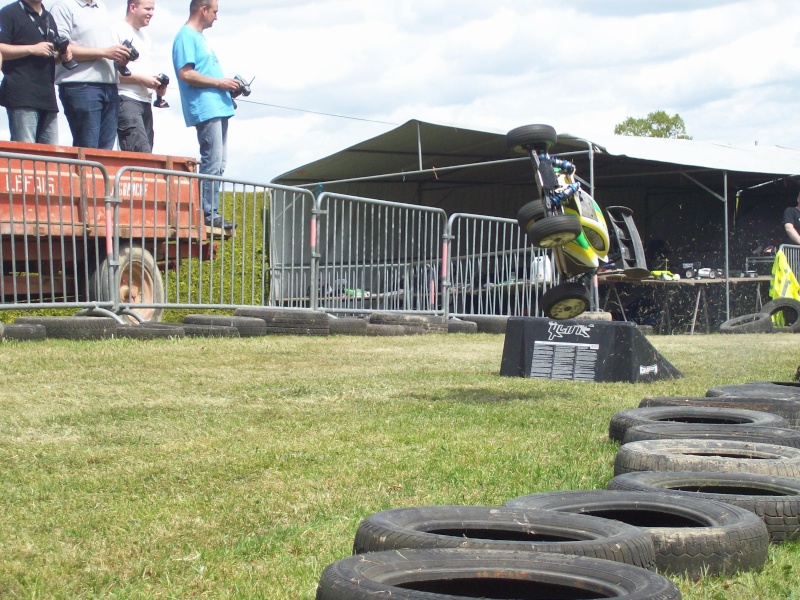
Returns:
(57,222)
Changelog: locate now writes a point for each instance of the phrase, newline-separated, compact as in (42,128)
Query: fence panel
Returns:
(55,226)
(793,257)
(492,269)
(169,258)
(377,255)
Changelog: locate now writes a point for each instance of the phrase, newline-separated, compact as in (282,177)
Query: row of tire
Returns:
(245,322)
(763,322)
(718,482)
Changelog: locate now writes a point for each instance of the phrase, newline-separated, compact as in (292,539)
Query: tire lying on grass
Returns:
(459,326)
(247,326)
(385,330)
(625,419)
(707,455)
(789,308)
(770,390)
(73,328)
(288,322)
(19,332)
(692,536)
(151,330)
(487,323)
(490,574)
(503,528)
(347,326)
(414,324)
(786,408)
(775,499)
(780,436)
(752,323)
(212,331)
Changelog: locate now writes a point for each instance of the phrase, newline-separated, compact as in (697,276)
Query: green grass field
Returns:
(241,468)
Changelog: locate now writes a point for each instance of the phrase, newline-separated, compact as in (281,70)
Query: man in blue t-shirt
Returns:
(206,99)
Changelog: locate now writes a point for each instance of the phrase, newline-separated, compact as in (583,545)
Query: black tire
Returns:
(775,499)
(779,390)
(788,409)
(565,301)
(385,330)
(138,280)
(347,326)
(555,230)
(247,326)
(520,139)
(424,323)
(789,308)
(780,436)
(624,419)
(300,319)
(455,574)
(707,455)
(530,213)
(498,528)
(74,328)
(151,331)
(487,323)
(213,331)
(19,332)
(752,323)
(459,326)
(692,537)
(296,330)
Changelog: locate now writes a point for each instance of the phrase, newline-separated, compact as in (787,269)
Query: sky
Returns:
(730,69)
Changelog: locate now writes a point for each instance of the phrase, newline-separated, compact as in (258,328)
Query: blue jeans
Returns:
(33,126)
(92,111)
(213,138)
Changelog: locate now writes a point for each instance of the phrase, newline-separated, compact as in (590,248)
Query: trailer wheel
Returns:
(557,230)
(531,136)
(565,301)
(138,279)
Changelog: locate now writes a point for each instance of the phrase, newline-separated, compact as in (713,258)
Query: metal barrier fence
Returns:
(169,258)
(492,269)
(792,257)
(55,227)
(375,255)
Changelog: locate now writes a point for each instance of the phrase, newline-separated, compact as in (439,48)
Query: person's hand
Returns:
(152,82)
(118,53)
(43,49)
(67,56)
(228,84)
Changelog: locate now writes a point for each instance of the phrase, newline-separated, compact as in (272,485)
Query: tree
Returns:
(657,124)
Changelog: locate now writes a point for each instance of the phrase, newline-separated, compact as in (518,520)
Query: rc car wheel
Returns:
(565,301)
(529,213)
(554,231)
(531,136)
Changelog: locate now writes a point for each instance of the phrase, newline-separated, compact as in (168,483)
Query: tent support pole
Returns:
(419,146)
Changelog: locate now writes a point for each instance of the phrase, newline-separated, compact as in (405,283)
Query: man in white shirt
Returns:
(88,92)
(135,126)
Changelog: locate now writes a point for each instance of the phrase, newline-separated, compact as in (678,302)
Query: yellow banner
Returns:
(784,283)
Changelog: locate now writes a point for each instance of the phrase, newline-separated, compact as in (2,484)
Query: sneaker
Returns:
(219,223)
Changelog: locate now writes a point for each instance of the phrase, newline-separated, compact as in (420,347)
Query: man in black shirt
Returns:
(791,223)
(27,32)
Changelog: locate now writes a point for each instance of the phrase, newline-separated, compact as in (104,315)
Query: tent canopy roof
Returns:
(418,150)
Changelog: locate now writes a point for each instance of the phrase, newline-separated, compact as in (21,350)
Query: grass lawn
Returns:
(241,468)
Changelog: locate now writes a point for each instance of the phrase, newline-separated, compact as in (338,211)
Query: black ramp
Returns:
(575,350)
